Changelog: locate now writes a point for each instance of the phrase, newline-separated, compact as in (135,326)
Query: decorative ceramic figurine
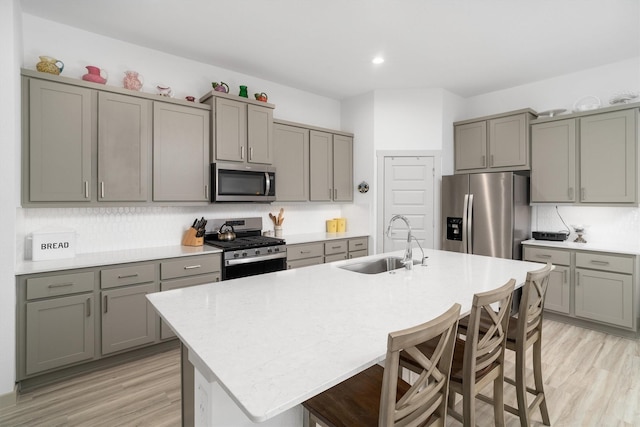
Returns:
(50,65)
(132,80)
(243,92)
(220,87)
(164,90)
(190,98)
(95,75)
(261,96)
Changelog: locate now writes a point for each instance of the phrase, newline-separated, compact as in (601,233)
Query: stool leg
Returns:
(537,375)
(498,401)
(521,386)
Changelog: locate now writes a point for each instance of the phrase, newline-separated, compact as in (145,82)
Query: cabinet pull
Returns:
(335,247)
(546,256)
(88,304)
(305,252)
(191,267)
(206,191)
(358,244)
(106,302)
(350,256)
(242,153)
(491,162)
(570,192)
(329,193)
(60,285)
(577,278)
(102,189)
(598,262)
(250,153)
(335,194)
(126,276)
(484,161)
(582,194)
(86,189)
(564,276)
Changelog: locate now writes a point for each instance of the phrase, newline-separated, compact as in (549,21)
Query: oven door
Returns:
(235,268)
(242,183)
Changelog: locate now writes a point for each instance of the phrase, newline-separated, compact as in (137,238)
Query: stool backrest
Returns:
(428,395)
(532,302)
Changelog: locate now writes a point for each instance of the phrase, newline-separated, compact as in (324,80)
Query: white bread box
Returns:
(53,243)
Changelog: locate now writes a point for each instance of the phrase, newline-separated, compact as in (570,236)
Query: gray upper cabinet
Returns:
(493,143)
(608,159)
(124,144)
(553,162)
(61,125)
(589,158)
(342,168)
(291,159)
(242,129)
(180,153)
(321,166)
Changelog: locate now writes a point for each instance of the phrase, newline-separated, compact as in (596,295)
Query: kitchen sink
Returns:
(377,266)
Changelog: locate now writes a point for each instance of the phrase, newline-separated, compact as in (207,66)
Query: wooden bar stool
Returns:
(479,360)
(378,397)
(525,330)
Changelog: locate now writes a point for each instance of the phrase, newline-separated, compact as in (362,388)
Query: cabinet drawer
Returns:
(190,266)
(358,244)
(335,247)
(554,256)
(189,281)
(604,262)
(131,275)
(358,254)
(63,284)
(335,257)
(304,262)
(308,250)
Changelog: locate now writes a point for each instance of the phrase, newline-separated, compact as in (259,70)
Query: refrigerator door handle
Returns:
(469,213)
(464,223)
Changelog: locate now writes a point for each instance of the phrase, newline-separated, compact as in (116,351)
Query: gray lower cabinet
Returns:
(358,247)
(592,286)
(45,302)
(184,272)
(59,130)
(124,148)
(305,254)
(180,153)
(291,159)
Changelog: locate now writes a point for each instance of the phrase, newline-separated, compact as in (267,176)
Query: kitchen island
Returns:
(262,345)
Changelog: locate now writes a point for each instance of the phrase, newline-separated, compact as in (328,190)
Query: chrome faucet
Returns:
(407,260)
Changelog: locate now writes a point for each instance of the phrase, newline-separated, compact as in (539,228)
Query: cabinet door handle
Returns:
(491,163)
(564,276)
(543,256)
(335,194)
(206,191)
(359,244)
(102,189)
(350,256)
(598,262)
(86,189)
(60,285)
(305,252)
(577,278)
(250,153)
(329,193)
(335,247)
(582,194)
(191,267)
(127,276)
(570,192)
(484,161)
(106,303)
(88,304)
(242,153)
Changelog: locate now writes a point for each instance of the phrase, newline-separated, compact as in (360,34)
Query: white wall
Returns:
(10,43)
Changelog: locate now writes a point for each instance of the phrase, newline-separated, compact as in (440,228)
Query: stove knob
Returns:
(269,250)
(244,254)
(236,255)
(276,249)
(257,251)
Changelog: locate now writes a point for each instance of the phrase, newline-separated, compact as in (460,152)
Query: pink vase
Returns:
(132,80)
(94,75)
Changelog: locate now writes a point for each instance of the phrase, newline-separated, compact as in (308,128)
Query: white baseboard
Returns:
(8,399)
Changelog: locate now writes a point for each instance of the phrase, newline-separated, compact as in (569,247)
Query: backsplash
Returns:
(117,228)
(618,225)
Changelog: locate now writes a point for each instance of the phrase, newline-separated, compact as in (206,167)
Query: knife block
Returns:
(190,238)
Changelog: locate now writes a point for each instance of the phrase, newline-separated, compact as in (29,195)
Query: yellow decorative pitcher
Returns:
(50,65)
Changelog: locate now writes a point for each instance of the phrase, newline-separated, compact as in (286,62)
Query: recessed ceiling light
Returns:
(378,60)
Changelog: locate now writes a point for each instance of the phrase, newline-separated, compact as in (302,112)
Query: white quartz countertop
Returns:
(112,257)
(294,239)
(274,340)
(629,249)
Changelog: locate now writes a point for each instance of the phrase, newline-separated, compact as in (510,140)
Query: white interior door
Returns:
(409,190)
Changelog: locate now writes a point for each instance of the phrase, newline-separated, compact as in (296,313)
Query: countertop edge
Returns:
(593,247)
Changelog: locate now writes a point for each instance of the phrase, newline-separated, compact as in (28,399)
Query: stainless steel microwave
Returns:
(232,182)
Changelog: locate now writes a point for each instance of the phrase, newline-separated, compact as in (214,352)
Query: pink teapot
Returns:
(220,87)
(95,75)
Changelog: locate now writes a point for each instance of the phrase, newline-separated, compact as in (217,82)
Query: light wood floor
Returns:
(591,379)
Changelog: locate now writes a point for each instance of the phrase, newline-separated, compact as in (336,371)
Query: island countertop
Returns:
(274,340)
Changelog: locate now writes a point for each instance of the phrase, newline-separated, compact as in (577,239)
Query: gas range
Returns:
(250,252)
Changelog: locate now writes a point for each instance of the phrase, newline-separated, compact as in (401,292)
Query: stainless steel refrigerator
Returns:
(486,213)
